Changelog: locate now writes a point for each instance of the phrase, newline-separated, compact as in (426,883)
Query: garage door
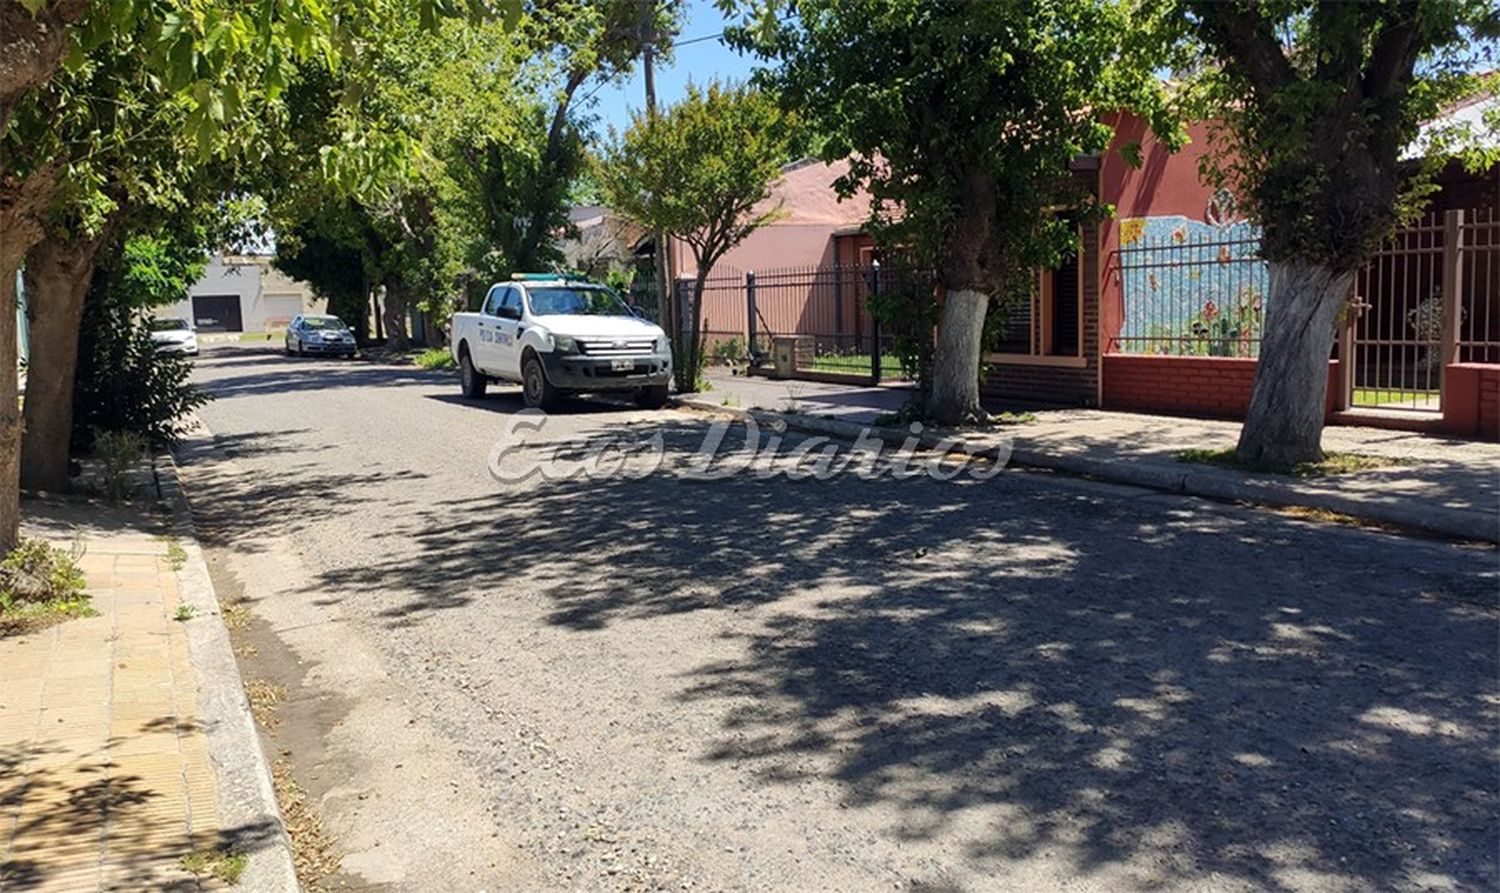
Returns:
(217,313)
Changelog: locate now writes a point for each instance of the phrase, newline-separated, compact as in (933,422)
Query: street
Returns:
(1030,682)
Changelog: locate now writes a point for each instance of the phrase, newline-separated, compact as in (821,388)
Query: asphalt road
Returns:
(649,681)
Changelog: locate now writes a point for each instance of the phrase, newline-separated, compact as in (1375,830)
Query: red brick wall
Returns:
(1471,400)
(1207,387)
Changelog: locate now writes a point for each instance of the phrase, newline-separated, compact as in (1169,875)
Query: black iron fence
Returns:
(819,316)
(1193,295)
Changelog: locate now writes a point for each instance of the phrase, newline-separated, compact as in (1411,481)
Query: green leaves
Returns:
(700,169)
(961,119)
(1320,101)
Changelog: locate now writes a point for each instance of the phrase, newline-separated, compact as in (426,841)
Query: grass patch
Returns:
(185,613)
(857,364)
(33,616)
(1014,418)
(436,358)
(1383,397)
(1332,464)
(257,336)
(915,412)
(41,586)
(176,555)
(225,865)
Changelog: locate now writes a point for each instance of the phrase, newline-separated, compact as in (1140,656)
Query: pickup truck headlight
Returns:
(564,344)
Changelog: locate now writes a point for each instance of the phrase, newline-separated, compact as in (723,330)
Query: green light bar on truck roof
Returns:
(536,277)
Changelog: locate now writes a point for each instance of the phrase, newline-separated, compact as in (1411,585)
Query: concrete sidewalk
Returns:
(113,768)
(1444,486)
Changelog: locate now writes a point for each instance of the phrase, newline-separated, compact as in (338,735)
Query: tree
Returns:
(961,119)
(702,171)
(189,50)
(122,383)
(1321,100)
(320,253)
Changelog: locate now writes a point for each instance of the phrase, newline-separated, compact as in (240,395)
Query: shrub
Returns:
(123,384)
(435,358)
(36,574)
(119,453)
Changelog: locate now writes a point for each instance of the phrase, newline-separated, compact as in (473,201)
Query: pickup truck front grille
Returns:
(615,347)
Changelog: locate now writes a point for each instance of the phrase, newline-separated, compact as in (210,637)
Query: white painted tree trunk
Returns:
(955,363)
(1284,425)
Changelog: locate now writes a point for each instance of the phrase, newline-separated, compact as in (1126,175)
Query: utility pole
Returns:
(665,300)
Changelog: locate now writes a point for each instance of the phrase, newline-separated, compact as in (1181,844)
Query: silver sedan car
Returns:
(319,334)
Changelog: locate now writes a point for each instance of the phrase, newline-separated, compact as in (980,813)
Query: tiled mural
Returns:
(1191,288)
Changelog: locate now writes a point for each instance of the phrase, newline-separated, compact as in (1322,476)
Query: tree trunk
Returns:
(1284,425)
(10,414)
(395,319)
(58,273)
(955,364)
(375,314)
(32,48)
(22,204)
(690,361)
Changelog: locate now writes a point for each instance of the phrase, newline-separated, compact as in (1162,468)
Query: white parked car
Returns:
(556,336)
(174,336)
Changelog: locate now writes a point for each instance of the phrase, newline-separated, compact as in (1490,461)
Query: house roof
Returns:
(807,197)
(1471,119)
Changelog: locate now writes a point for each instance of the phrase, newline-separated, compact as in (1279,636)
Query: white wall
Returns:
(267,298)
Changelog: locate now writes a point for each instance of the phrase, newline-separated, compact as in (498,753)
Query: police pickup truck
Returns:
(556,335)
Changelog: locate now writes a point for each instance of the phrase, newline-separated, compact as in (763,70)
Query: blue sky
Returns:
(699,62)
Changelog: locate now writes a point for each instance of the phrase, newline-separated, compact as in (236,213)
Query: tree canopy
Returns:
(961,121)
(701,171)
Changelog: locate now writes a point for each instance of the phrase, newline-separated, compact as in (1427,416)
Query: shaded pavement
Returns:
(1028,682)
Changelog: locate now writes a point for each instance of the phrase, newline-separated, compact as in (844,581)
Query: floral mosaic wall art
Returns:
(1191,288)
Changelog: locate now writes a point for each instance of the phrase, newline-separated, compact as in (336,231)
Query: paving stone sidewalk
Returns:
(106,778)
(1445,485)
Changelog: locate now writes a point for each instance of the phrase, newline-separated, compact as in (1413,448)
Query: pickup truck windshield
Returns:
(575,301)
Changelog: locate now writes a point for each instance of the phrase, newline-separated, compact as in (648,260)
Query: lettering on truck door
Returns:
(487,328)
(507,334)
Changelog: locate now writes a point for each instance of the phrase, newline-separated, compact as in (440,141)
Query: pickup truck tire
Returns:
(470,381)
(651,397)
(536,390)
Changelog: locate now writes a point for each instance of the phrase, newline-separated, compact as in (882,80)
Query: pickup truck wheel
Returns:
(651,397)
(536,390)
(469,380)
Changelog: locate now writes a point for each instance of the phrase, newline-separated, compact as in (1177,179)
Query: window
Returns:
(492,300)
(1050,324)
(510,303)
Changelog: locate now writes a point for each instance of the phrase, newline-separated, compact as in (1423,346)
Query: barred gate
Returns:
(1429,297)
(823,311)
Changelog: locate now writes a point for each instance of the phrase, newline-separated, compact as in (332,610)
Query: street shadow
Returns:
(1159,689)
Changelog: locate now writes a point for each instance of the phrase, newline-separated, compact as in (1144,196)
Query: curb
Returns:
(1224,486)
(246,797)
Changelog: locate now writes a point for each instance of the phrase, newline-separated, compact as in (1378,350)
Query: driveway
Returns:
(1023,683)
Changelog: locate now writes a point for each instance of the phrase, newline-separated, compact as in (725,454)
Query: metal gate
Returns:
(1429,297)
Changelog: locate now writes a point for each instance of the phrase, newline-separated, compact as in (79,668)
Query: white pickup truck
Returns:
(556,336)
